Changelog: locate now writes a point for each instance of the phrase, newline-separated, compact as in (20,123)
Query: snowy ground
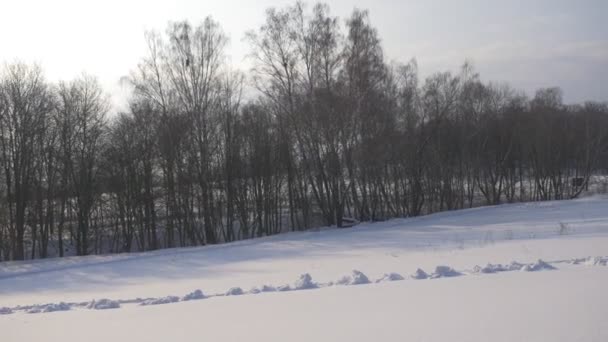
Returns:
(564,298)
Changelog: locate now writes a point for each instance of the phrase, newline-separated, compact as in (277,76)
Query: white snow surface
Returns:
(561,296)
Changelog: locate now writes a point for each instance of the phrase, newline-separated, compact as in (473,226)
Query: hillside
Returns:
(546,282)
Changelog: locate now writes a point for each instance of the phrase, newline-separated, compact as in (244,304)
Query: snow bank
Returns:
(398,246)
(491,268)
(390,277)
(195,295)
(264,288)
(305,283)
(596,261)
(103,304)
(515,266)
(444,272)
(51,307)
(56,307)
(284,288)
(160,301)
(268,288)
(419,274)
(537,266)
(235,291)
(355,278)
(590,261)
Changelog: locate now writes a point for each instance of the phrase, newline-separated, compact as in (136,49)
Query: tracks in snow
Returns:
(304,282)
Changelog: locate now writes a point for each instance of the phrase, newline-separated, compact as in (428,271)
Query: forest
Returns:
(322,130)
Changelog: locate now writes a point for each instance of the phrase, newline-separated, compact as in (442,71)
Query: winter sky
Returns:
(527,43)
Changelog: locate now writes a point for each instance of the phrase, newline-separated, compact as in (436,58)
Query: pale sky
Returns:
(529,44)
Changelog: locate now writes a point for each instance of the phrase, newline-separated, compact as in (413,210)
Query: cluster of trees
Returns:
(50,143)
(334,132)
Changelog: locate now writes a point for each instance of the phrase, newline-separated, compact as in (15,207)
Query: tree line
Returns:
(334,133)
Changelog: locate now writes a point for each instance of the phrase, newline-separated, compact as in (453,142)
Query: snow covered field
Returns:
(302,287)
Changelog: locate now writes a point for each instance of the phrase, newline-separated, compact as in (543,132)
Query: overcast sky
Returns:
(529,44)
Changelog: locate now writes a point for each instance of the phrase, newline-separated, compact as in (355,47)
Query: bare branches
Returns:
(334,132)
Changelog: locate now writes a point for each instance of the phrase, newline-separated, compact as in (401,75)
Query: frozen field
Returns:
(302,287)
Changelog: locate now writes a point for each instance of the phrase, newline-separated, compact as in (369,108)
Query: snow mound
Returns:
(305,283)
(515,266)
(103,304)
(590,261)
(195,295)
(264,288)
(51,307)
(284,288)
(5,311)
(160,301)
(355,278)
(268,288)
(596,261)
(359,278)
(444,272)
(390,277)
(235,291)
(490,268)
(537,266)
(34,309)
(56,307)
(578,261)
(255,290)
(419,274)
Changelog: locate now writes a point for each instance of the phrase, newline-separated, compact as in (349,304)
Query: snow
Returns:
(235,291)
(264,288)
(490,268)
(355,278)
(568,303)
(284,288)
(390,277)
(305,283)
(420,274)
(596,261)
(195,295)
(160,301)
(522,308)
(103,304)
(591,261)
(538,266)
(51,307)
(444,271)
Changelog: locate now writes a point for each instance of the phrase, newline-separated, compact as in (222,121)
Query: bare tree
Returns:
(27,102)
(83,107)
(334,131)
